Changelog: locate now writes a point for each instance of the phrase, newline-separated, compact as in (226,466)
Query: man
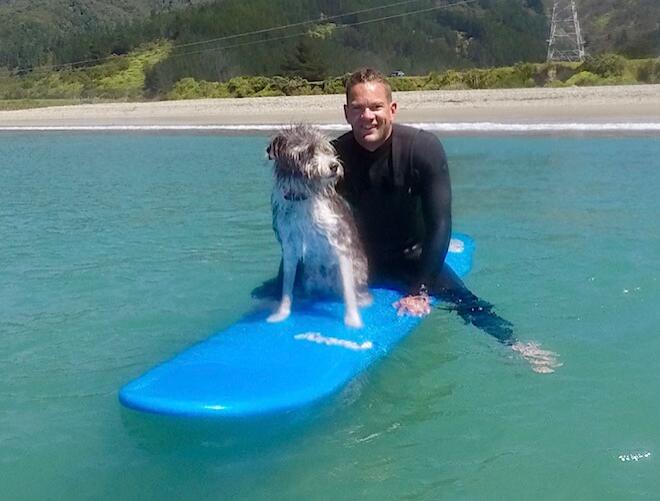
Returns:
(396,180)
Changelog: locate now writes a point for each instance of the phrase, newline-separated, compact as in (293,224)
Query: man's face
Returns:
(370,114)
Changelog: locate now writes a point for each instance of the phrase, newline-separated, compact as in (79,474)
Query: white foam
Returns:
(635,457)
(74,128)
(431,126)
(317,337)
(540,127)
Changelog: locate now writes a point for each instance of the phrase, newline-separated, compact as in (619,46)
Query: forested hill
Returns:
(216,40)
(410,35)
(34,32)
(627,27)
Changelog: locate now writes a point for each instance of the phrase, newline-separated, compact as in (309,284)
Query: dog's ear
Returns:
(276,147)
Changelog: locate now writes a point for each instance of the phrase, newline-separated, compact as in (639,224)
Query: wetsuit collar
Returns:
(379,152)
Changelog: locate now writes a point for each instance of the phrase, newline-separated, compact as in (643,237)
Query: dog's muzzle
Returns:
(336,169)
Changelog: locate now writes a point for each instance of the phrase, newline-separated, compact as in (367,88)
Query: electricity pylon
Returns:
(565,43)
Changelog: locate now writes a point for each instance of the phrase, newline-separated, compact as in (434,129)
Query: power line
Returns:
(320,19)
(343,26)
(277,28)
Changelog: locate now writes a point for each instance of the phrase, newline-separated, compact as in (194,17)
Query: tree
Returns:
(306,62)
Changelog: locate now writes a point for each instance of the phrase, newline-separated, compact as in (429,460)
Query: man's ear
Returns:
(393,107)
(275,147)
(346,113)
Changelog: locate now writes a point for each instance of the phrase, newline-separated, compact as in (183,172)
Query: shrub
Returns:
(584,78)
(294,86)
(509,77)
(247,86)
(334,85)
(475,79)
(553,74)
(186,88)
(298,87)
(214,89)
(648,71)
(452,79)
(555,83)
(189,88)
(402,84)
(605,65)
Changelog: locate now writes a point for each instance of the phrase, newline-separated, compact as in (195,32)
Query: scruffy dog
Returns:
(314,224)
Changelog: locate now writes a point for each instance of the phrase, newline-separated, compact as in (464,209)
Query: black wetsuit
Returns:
(401,198)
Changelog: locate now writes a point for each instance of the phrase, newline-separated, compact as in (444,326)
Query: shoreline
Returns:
(460,109)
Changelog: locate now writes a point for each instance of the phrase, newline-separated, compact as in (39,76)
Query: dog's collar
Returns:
(294,197)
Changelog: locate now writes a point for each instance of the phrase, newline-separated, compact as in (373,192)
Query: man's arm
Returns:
(430,162)
(434,187)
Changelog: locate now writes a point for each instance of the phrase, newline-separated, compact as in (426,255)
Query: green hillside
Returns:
(168,48)
(37,32)
(627,27)
(414,36)
(418,36)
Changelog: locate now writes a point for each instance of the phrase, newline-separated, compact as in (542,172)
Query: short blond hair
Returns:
(365,75)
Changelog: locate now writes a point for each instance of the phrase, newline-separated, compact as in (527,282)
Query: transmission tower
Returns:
(565,43)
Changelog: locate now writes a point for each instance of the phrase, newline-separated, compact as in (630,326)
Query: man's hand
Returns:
(416,306)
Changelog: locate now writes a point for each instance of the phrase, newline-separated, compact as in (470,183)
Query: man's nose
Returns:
(368,114)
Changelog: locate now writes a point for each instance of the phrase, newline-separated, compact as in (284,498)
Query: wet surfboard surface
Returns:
(254,368)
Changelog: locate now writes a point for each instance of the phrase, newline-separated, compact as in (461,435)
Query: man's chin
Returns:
(370,139)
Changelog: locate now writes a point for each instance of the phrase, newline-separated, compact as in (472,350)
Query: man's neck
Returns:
(378,149)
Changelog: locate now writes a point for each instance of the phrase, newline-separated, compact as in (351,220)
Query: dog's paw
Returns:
(278,316)
(353,320)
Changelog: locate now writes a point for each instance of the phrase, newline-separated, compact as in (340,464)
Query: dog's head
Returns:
(303,153)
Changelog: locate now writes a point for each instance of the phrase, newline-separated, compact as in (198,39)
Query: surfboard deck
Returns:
(253,367)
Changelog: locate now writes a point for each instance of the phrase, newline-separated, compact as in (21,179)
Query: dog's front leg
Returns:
(351,313)
(289,263)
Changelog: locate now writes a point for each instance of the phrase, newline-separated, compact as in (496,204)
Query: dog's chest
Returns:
(305,226)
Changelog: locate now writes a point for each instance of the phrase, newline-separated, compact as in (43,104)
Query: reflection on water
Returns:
(118,252)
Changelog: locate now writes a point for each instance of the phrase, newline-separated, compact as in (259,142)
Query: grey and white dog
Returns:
(314,224)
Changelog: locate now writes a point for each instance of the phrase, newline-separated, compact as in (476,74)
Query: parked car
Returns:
(397,73)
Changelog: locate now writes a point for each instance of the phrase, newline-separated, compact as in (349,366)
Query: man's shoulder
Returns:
(421,148)
(412,133)
(417,141)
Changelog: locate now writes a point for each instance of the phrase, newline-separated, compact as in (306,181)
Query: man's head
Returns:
(369,108)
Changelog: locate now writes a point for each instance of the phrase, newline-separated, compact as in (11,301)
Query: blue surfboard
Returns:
(254,367)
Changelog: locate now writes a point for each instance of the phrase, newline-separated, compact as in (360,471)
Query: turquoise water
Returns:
(119,251)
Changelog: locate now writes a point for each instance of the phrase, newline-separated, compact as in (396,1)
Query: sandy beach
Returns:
(615,104)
